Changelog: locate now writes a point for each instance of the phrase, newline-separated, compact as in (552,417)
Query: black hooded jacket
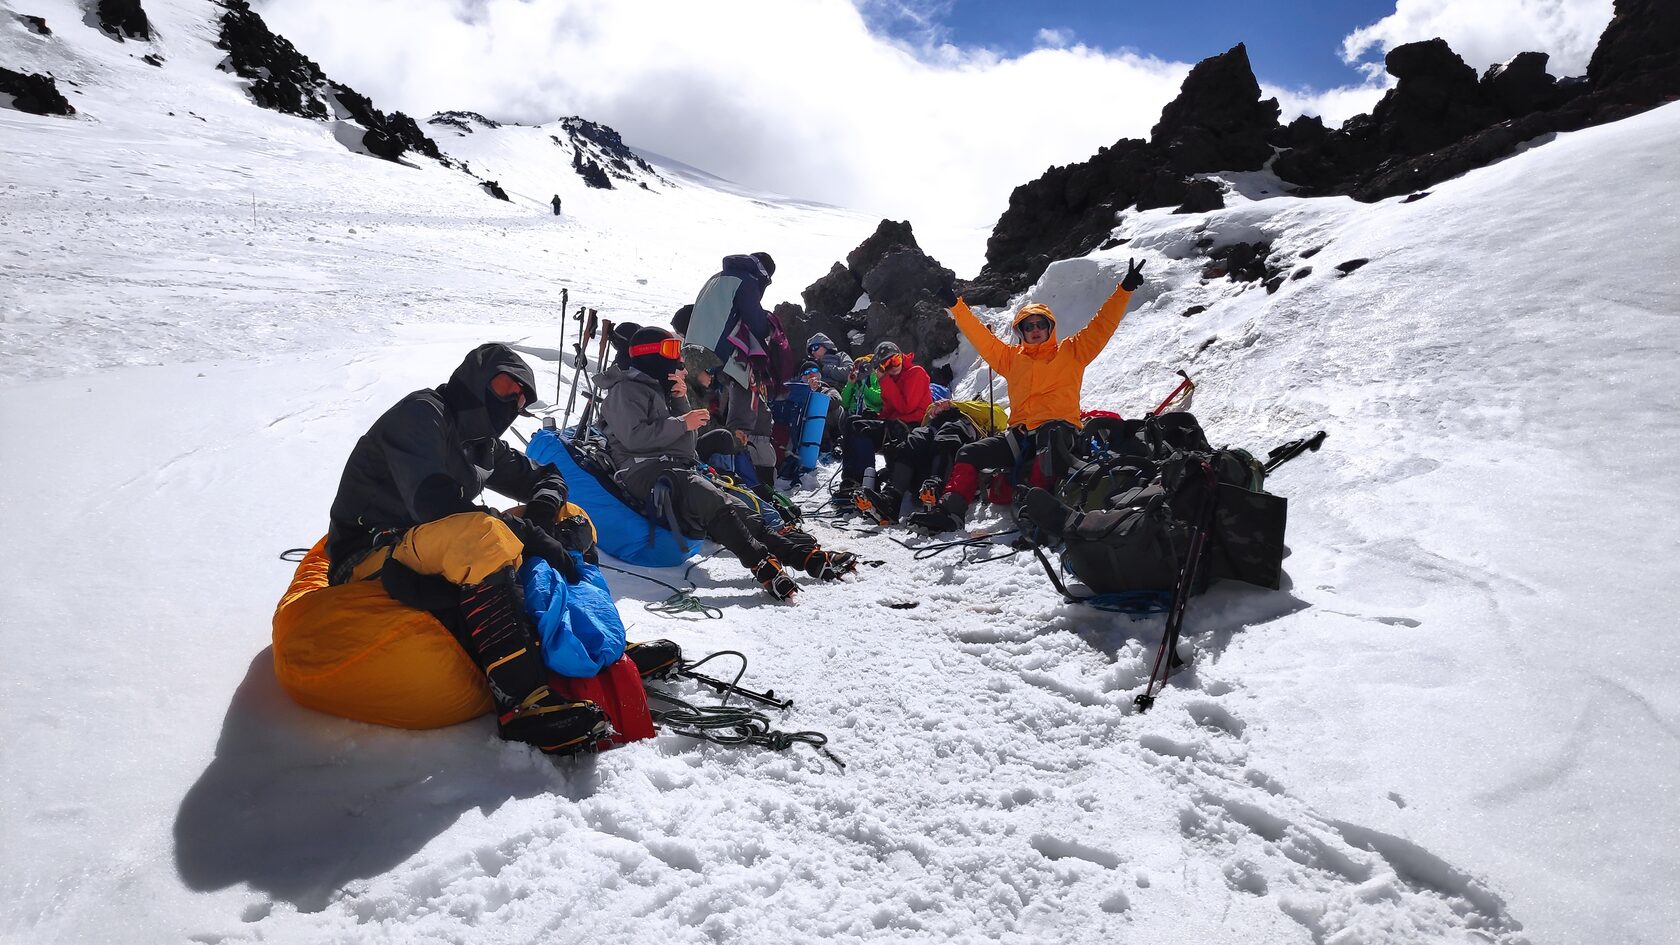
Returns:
(433,453)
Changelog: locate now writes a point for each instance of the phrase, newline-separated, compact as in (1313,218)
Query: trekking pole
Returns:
(1292,449)
(991,401)
(600,362)
(1185,385)
(580,360)
(560,352)
(1166,658)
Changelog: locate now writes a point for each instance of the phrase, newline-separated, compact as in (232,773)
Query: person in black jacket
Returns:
(405,514)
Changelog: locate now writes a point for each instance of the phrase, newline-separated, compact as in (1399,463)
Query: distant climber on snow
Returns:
(555,200)
(1045,375)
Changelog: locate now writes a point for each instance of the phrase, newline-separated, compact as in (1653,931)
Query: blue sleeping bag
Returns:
(620,530)
(579,625)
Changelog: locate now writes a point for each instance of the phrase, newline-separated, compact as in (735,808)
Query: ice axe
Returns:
(1184,387)
(580,359)
(1292,449)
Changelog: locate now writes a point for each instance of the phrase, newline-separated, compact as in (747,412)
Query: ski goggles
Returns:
(1035,324)
(670,349)
(892,362)
(507,388)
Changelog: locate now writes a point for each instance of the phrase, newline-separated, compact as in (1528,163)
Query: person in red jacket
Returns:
(906,395)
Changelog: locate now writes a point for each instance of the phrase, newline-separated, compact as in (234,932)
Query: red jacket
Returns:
(908,396)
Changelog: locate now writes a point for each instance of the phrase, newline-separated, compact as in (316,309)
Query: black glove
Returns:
(559,557)
(1134,275)
(947,296)
(539,543)
(543,510)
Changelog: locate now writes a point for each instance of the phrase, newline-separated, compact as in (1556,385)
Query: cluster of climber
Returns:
(685,435)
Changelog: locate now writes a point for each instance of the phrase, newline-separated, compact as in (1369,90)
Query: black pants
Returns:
(865,438)
(928,453)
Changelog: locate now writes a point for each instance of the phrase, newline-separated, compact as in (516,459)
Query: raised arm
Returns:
(1089,341)
(992,348)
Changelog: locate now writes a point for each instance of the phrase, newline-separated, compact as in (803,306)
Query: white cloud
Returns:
(1488,31)
(794,96)
(1054,38)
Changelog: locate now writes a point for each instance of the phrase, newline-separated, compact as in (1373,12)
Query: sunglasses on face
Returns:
(670,349)
(1035,324)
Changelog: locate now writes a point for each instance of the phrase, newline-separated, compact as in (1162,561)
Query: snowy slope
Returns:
(1455,724)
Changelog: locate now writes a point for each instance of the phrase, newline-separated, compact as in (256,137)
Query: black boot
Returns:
(775,580)
(833,565)
(1042,517)
(947,516)
(880,507)
(499,637)
(655,659)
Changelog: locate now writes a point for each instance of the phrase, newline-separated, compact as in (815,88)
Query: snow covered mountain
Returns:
(1456,723)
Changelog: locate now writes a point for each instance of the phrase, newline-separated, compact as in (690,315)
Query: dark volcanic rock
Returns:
(591,172)
(463,122)
(494,189)
(1346,267)
(286,80)
(34,24)
(605,147)
(1218,122)
(388,136)
(35,94)
(122,18)
(1203,195)
(1304,132)
(1438,100)
(903,285)
(282,79)
(1641,43)
(1521,85)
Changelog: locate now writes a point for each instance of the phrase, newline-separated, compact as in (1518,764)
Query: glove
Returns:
(947,296)
(1134,275)
(539,543)
(543,510)
(545,546)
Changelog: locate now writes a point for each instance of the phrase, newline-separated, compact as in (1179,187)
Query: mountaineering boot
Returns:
(834,565)
(499,637)
(1042,517)
(845,494)
(554,724)
(947,516)
(879,506)
(928,497)
(775,580)
(655,659)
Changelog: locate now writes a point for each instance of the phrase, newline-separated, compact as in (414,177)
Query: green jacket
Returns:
(871,396)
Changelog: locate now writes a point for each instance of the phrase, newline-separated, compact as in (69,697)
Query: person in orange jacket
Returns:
(1044,375)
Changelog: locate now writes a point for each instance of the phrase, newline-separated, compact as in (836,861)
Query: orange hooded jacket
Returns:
(1044,379)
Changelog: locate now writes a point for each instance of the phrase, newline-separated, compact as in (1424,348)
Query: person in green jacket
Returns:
(862,394)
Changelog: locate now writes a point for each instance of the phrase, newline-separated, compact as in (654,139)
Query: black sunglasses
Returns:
(1035,324)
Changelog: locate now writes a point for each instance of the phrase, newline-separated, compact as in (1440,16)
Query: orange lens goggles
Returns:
(670,349)
(893,361)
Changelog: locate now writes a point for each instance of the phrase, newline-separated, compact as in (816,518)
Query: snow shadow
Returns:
(296,804)
(1211,620)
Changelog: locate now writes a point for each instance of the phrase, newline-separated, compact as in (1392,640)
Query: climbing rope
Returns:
(723,724)
(681,600)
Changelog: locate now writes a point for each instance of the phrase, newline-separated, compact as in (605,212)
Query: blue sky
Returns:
(1295,44)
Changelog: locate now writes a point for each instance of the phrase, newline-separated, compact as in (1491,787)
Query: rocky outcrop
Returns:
(1424,132)
(35,94)
(590,171)
(34,24)
(494,189)
(462,122)
(1639,49)
(388,136)
(605,147)
(123,18)
(900,284)
(285,80)
(1218,122)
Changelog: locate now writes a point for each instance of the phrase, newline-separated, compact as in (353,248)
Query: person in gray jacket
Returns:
(835,365)
(651,437)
